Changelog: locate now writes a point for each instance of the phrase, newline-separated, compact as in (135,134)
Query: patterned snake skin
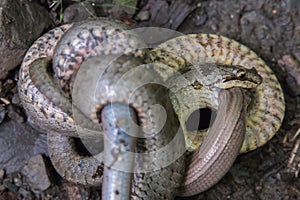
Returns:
(70,45)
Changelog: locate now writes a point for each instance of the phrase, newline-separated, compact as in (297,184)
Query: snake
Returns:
(265,102)
(51,115)
(40,100)
(266,105)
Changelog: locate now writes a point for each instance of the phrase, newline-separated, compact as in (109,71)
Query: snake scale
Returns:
(70,45)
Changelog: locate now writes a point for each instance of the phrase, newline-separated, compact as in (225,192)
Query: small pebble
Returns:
(214,27)
(2,188)
(127,9)
(143,15)
(14,113)
(36,173)
(17,181)
(8,85)
(201,20)
(16,99)
(78,11)
(261,32)
(292,83)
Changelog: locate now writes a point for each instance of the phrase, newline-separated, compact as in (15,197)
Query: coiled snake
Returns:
(70,45)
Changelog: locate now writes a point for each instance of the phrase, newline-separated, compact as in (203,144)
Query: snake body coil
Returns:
(265,103)
(266,107)
(89,39)
(71,46)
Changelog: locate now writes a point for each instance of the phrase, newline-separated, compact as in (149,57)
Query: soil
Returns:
(271,28)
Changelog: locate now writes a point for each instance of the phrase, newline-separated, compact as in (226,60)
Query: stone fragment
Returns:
(78,12)
(21,22)
(9,185)
(36,173)
(143,15)
(2,174)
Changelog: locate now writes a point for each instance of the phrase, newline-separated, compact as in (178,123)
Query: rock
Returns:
(75,192)
(40,145)
(17,181)
(9,185)
(16,99)
(291,67)
(8,195)
(78,12)
(143,15)
(2,188)
(168,14)
(292,85)
(2,113)
(36,173)
(7,86)
(21,22)
(25,193)
(14,113)
(2,174)
(294,4)
(121,8)
(201,19)
(19,142)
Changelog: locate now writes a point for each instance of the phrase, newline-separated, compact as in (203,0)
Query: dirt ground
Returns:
(270,27)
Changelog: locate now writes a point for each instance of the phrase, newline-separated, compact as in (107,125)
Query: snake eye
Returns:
(241,74)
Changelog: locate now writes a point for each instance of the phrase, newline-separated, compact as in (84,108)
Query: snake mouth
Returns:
(200,119)
(197,125)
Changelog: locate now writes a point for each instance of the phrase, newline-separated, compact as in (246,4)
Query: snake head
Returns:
(238,76)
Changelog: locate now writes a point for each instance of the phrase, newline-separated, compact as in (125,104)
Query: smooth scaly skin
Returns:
(206,166)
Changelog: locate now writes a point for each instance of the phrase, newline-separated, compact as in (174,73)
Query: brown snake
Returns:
(268,101)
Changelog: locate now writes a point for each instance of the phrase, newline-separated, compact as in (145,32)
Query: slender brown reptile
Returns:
(48,115)
(206,166)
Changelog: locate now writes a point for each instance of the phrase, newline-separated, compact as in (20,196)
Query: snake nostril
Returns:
(200,119)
